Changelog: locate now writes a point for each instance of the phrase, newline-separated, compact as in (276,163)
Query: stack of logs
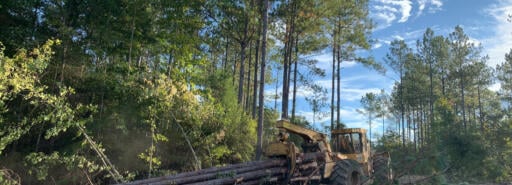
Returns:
(255,172)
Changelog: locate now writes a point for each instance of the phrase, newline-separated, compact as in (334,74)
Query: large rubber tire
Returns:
(382,170)
(346,172)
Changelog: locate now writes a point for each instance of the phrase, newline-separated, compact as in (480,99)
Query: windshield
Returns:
(349,143)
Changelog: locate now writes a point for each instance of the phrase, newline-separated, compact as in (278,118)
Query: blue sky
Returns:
(484,21)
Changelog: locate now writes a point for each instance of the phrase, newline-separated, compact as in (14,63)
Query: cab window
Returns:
(349,143)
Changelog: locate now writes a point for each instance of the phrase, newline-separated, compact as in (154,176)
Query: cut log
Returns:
(212,171)
(223,174)
(250,176)
(248,173)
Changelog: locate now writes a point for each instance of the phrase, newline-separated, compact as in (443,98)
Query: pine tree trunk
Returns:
(402,111)
(255,78)
(284,102)
(333,78)
(287,64)
(248,81)
(338,86)
(480,110)
(259,142)
(227,55)
(242,73)
(463,100)
(295,71)
(431,98)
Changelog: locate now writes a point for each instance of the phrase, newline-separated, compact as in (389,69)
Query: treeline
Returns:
(446,122)
(96,92)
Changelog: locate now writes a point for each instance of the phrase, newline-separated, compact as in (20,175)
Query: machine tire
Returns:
(346,172)
(382,170)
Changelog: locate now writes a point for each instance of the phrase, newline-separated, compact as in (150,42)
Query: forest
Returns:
(103,92)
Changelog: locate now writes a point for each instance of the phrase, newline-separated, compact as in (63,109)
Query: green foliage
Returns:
(148,88)
(231,126)
(317,101)
(504,75)
(52,115)
(41,164)
(144,87)
(449,125)
(20,85)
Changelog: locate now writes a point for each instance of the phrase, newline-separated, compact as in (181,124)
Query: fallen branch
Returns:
(197,163)
(430,176)
(104,159)
(10,176)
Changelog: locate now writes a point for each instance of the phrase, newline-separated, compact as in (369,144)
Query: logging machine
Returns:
(349,161)
(346,160)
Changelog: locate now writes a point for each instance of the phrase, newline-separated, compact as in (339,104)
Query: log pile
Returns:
(254,172)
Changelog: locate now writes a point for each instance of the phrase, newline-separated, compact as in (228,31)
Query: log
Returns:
(316,156)
(248,172)
(213,170)
(271,180)
(309,165)
(249,176)
(312,178)
(220,175)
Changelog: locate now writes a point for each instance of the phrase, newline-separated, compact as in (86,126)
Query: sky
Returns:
(484,21)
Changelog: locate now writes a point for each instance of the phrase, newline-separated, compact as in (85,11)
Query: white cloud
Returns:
(437,3)
(398,37)
(349,116)
(404,8)
(433,6)
(495,87)
(500,42)
(325,62)
(377,45)
(349,90)
(352,118)
(352,81)
(352,87)
(385,19)
(385,8)
(421,7)
(386,12)
(474,41)
(309,117)
(409,37)
(356,94)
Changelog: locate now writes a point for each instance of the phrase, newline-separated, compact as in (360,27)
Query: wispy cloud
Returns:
(406,8)
(318,120)
(409,37)
(433,6)
(387,12)
(384,18)
(377,45)
(354,87)
(500,42)
(352,118)
(325,62)
(349,116)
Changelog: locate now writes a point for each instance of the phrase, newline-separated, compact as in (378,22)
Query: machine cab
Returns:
(349,141)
